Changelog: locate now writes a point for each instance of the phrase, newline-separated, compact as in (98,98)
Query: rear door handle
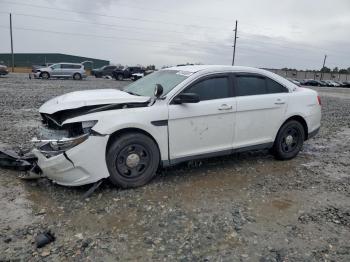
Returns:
(280,102)
(225,107)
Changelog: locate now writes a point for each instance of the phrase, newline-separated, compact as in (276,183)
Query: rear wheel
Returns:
(45,75)
(132,160)
(289,140)
(77,76)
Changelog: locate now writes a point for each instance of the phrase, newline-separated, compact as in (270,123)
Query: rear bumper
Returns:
(80,165)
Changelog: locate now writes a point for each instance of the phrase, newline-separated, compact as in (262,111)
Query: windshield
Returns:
(167,78)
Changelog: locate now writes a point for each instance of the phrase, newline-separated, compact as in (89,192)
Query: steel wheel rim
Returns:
(290,139)
(132,161)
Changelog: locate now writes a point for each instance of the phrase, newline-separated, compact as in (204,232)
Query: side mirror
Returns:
(186,98)
(158,90)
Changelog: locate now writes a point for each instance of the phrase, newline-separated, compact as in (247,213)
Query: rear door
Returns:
(67,69)
(204,127)
(261,106)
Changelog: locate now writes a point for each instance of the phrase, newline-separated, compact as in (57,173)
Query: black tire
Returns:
(77,76)
(120,77)
(45,75)
(132,160)
(289,140)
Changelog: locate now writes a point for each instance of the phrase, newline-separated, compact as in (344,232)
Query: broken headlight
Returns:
(67,143)
(88,125)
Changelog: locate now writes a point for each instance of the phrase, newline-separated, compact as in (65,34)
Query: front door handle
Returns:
(225,107)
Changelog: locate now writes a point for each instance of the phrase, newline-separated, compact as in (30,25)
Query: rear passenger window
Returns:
(274,87)
(250,85)
(213,88)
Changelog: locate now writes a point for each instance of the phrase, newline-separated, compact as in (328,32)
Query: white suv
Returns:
(170,116)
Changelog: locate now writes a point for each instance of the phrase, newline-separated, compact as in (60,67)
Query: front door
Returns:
(56,70)
(204,127)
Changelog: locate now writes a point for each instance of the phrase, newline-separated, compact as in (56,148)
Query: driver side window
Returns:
(57,66)
(212,88)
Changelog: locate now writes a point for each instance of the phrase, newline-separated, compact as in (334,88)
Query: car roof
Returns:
(214,68)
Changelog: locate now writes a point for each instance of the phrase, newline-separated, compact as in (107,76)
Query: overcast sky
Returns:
(272,33)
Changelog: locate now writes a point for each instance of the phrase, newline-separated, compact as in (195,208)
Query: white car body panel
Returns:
(198,124)
(192,129)
(258,118)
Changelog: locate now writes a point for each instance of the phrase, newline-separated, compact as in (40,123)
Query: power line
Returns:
(100,36)
(117,27)
(313,48)
(108,16)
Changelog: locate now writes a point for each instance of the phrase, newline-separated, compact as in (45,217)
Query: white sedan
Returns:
(173,115)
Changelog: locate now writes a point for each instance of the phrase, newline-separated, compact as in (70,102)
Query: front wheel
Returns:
(132,160)
(289,140)
(45,75)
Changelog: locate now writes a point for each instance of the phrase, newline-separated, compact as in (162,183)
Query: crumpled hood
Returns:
(89,98)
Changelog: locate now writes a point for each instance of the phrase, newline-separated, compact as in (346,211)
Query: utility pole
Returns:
(324,63)
(13,57)
(234,44)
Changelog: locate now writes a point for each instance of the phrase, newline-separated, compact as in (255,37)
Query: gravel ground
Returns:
(245,207)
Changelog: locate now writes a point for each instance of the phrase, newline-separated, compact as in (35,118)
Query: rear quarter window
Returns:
(273,87)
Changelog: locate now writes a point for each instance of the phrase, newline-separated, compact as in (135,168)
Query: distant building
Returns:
(29,59)
(305,74)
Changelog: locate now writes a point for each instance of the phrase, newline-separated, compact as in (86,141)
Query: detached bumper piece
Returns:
(10,159)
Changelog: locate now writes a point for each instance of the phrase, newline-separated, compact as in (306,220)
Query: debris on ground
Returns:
(44,238)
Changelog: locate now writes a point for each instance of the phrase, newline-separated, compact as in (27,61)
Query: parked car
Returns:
(3,70)
(60,70)
(294,81)
(121,74)
(346,84)
(171,116)
(103,71)
(331,83)
(340,83)
(312,82)
(137,76)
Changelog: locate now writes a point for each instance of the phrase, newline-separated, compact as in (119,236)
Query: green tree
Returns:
(325,70)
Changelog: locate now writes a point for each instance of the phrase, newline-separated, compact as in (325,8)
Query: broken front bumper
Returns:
(80,165)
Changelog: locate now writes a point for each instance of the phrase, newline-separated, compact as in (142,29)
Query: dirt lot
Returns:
(246,207)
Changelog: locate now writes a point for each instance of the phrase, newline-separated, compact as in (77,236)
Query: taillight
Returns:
(319,100)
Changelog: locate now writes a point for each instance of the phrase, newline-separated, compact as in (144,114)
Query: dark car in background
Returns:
(121,74)
(312,82)
(103,71)
(3,70)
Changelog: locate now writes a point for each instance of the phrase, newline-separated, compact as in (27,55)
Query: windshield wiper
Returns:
(131,93)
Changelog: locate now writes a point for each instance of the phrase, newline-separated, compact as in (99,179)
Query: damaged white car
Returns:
(170,116)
